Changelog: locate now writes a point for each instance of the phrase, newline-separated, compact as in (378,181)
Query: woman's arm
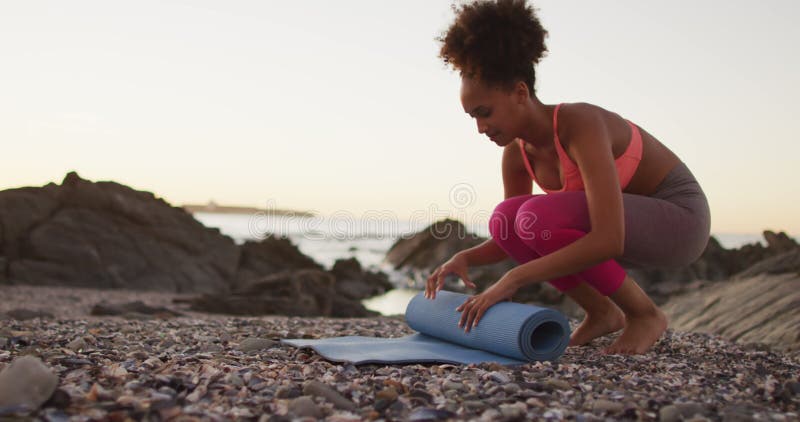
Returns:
(515,182)
(484,254)
(590,146)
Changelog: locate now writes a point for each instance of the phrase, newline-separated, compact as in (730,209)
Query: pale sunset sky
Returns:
(344,106)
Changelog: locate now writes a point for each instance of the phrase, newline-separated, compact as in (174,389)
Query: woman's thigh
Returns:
(658,233)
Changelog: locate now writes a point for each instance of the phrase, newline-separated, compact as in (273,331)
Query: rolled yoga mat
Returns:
(508,333)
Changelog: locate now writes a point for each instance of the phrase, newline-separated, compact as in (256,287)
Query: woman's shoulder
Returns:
(580,112)
(576,119)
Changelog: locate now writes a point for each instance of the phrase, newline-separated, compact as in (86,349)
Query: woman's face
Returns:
(496,111)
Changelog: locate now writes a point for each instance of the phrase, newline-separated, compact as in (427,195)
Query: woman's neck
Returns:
(538,127)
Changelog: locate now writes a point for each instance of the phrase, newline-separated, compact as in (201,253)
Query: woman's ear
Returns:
(521,92)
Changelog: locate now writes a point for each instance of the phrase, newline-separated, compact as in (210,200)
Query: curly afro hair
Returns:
(499,42)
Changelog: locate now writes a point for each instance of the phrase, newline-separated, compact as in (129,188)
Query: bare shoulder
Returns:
(583,121)
(578,116)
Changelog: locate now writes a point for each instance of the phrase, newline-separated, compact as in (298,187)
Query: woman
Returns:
(615,195)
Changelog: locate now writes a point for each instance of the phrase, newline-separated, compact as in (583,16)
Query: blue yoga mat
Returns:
(508,333)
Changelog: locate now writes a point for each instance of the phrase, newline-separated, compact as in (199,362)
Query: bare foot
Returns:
(641,332)
(596,325)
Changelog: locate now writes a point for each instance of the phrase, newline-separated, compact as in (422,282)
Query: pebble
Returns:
(26,383)
(255,344)
(456,386)
(287,392)
(513,411)
(511,388)
(77,345)
(557,384)
(499,377)
(602,405)
(678,411)
(165,367)
(316,388)
(429,414)
(389,394)
(304,406)
(490,415)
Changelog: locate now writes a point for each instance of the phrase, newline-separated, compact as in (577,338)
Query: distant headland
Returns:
(213,207)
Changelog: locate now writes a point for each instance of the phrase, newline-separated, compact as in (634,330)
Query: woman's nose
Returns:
(481,127)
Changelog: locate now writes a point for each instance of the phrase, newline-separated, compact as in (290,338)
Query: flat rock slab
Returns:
(760,309)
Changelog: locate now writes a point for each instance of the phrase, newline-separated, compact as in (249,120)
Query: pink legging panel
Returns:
(530,226)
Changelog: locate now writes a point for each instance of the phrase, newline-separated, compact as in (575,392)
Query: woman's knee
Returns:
(552,212)
(501,223)
(534,216)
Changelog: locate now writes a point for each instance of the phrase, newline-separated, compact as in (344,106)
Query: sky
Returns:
(344,108)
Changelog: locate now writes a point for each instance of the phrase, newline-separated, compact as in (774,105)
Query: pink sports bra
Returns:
(626,164)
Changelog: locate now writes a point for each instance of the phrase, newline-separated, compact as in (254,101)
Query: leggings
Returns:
(667,229)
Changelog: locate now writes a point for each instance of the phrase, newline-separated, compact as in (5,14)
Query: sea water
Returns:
(326,239)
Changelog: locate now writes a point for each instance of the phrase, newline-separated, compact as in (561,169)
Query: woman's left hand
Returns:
(475,306)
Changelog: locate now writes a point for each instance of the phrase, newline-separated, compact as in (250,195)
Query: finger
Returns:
(430,282)
(481,311)
(466,280)
(464,312)
(471,316)
(439,283)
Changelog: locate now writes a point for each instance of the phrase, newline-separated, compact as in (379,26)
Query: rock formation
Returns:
(763,308)
(107,235)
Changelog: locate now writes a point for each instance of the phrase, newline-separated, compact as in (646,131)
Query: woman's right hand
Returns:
(457,265)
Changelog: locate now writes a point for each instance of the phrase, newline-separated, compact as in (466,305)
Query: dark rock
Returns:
(785,262)
(295,293)
(25,314)
(779,242)
(106,235)
(343,307)
(3,267)
(272,255)
(431,246)
(20,210)
(131,309)
(352,282)
(381,405)
(60,400)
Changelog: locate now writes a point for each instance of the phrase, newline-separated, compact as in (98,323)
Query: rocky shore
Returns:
(214,367)
(108,236)
(116,306)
